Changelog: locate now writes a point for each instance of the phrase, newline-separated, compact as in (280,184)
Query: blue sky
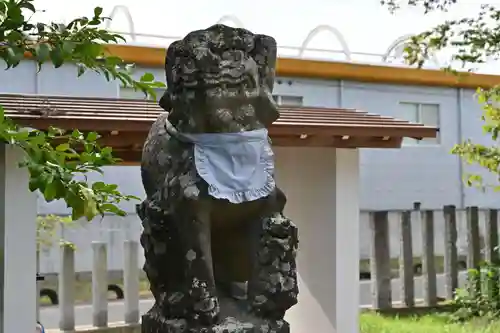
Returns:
(366,26)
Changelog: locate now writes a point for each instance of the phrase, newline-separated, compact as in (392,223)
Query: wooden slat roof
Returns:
(142,111)
(297,126)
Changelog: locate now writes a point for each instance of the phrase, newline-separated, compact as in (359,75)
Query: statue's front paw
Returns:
(207,310)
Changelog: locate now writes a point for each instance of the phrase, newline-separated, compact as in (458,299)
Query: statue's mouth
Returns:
(228,79)
(237,98)
(227,91)
(225,101)
(230,72)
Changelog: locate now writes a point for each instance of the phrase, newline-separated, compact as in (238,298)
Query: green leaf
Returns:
(93,51)
(50,192)
(33,184)
(92,136)
(90,205)
(98,186)
(76,134)
(98,11)
(41,28)
(63,147)
(76,214)
(28,5)
(15,16)
(22,135)
(14,56)
(15,36)
(68,47)
(42,52)
(147,77)
(106,151)
(111,187)
(81,69)
(51,161)
(111,208)
(56,57)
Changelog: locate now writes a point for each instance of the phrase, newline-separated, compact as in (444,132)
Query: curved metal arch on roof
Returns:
(328,28)
(397,44)
(123,9)
(394,46)
(239,24)
(232,19)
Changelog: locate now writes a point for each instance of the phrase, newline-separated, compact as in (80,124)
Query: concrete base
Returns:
(228,325)
(155,322)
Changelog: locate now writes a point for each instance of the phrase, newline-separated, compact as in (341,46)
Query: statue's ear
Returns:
(166,104)
(267,112)
(265,54)
(165,101)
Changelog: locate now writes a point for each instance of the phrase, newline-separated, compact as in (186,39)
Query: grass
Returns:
(375,323)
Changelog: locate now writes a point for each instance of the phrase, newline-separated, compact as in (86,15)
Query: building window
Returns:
(423,113)
(288,100)
(130,93)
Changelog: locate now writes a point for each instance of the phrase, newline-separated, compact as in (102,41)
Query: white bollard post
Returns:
(67,289)
(18,212)
(131,281)
(99,285)
(37,285)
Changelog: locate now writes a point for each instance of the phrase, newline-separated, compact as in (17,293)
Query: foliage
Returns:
(473,40)
(428,5)
(481,295)
(47,227)
(430,323)
(55,158)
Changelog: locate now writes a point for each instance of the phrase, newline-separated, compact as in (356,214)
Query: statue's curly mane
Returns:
(220,80)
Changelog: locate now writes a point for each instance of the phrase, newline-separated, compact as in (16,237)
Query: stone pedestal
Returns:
(235,320)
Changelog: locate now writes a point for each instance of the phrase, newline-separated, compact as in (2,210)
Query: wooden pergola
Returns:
(329,297)
(124,123)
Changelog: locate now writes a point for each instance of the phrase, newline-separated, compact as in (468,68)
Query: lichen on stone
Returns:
(219,80)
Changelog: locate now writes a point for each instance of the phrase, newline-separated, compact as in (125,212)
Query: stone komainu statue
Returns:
(220,255)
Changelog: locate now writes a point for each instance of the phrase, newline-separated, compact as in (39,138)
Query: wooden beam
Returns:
(98,125)
(335,142)
(361,130)
(331,70)
(132,156)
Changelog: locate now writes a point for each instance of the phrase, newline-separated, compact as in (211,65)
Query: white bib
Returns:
(238,167)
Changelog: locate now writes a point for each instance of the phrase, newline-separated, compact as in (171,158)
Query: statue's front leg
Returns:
(273,287)
(194,230)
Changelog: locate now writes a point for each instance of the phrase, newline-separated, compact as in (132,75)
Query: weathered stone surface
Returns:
(197,247)
(275,289)
(235,320)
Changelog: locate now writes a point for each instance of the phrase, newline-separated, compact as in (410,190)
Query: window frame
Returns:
(422,143)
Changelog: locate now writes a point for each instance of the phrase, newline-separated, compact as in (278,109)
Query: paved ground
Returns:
(83,313)
(49,316)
